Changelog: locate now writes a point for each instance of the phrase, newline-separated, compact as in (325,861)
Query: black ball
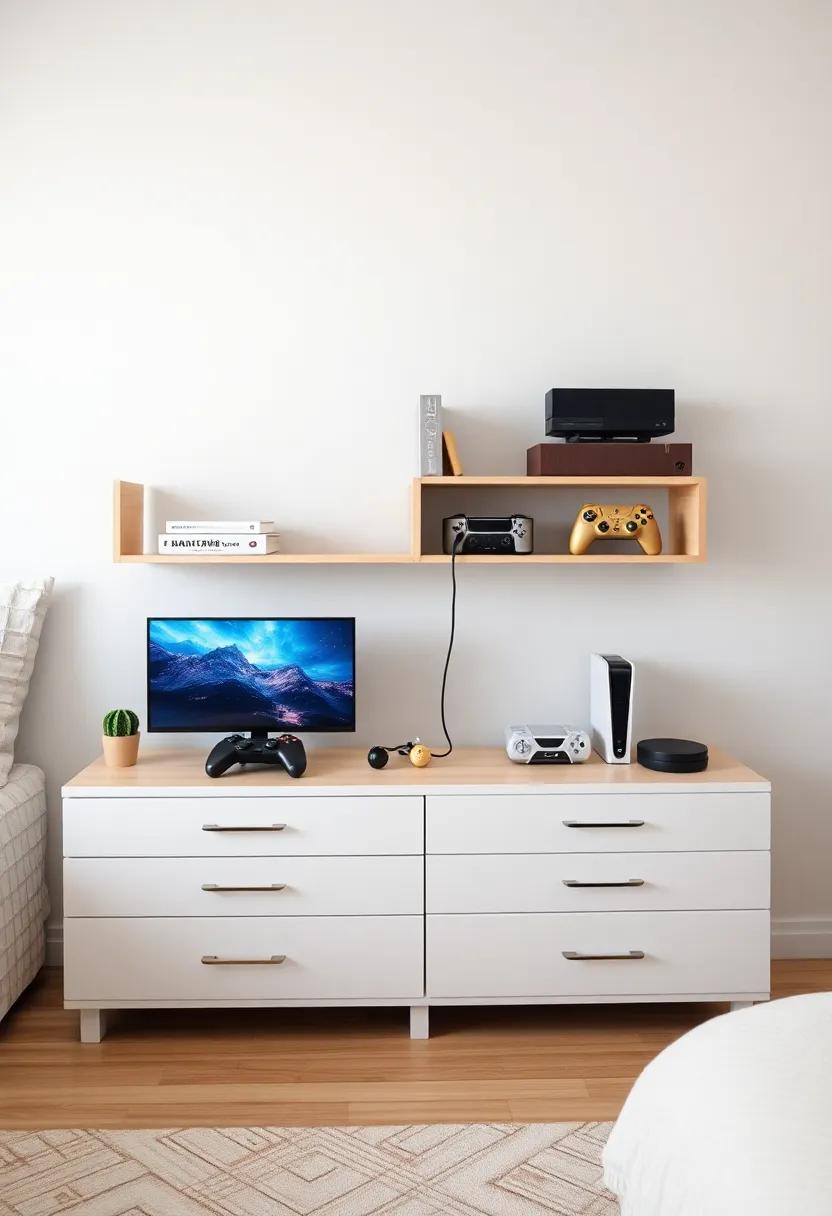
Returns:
(377,757)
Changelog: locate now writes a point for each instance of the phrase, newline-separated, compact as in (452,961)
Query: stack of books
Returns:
(230,537)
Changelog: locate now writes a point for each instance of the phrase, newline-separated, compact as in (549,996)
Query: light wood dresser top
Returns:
(345,770)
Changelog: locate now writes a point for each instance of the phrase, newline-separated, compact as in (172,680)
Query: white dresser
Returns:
(474,881)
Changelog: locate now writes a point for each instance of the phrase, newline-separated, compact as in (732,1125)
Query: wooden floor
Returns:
(317,1067)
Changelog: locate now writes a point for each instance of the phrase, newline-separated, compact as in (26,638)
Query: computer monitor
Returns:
(251,674)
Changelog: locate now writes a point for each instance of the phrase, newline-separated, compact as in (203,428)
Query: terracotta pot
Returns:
(121,751)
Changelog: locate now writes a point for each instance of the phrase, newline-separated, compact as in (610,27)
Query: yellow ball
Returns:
(420,755)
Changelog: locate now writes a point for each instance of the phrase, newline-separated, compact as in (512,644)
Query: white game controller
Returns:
(547,744)
(502,534)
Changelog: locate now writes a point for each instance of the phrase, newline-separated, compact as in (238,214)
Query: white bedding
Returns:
(22,611)
(734,1119)
(24,903)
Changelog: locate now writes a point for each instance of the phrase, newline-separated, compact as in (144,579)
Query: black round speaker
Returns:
(377,757)
(672,755)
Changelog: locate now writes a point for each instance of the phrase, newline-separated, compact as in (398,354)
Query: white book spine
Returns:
(235,526)
(430,435)
(196,543)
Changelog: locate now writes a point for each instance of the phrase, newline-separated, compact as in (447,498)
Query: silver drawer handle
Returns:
(215,960)
(271,886)
(575,956)
(243,827)
(627,882)
(618,823)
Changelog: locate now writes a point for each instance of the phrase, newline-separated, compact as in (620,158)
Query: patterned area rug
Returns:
(489,1169)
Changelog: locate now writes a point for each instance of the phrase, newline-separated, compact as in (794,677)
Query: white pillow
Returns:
(733,1119)
(22,611)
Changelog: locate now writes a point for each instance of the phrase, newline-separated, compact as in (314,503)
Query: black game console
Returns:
(285,750)
(634,414)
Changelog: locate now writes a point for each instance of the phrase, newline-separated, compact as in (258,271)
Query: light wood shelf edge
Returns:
(128,520)
(272,559)
(416,519)
(405,559)
(553,482)
(546,559)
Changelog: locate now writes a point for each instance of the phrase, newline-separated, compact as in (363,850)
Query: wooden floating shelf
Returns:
(128,539)
(684,532)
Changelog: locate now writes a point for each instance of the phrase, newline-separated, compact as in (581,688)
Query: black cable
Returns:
(404,748)
(441,755)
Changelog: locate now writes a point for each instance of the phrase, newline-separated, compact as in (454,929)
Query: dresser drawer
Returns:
(589,882)
(694,953)
(243,886)
(242,827)
(592,823)
(326,958)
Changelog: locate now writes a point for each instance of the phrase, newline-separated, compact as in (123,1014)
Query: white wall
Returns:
(238,239)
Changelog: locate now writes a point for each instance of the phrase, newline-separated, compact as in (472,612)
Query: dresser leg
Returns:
(419,1022)
(735,1005)
(93,1025)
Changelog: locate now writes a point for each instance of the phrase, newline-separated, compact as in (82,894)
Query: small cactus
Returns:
(120,722)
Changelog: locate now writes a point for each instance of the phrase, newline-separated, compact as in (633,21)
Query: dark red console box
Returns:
(610,460)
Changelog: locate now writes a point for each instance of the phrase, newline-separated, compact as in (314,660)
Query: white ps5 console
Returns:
(611,680)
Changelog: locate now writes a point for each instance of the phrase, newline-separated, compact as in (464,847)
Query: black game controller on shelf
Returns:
(285,750)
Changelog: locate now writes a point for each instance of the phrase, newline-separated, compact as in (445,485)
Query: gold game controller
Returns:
(605,521)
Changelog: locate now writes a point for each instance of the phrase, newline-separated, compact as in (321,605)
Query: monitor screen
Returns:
(241,673)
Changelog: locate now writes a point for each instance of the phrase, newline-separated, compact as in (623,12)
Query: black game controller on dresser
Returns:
(285,750)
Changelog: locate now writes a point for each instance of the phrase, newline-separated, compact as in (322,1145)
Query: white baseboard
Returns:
(55,945)
(800,937)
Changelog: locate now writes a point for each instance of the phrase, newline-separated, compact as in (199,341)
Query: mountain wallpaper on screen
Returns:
(231,674)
